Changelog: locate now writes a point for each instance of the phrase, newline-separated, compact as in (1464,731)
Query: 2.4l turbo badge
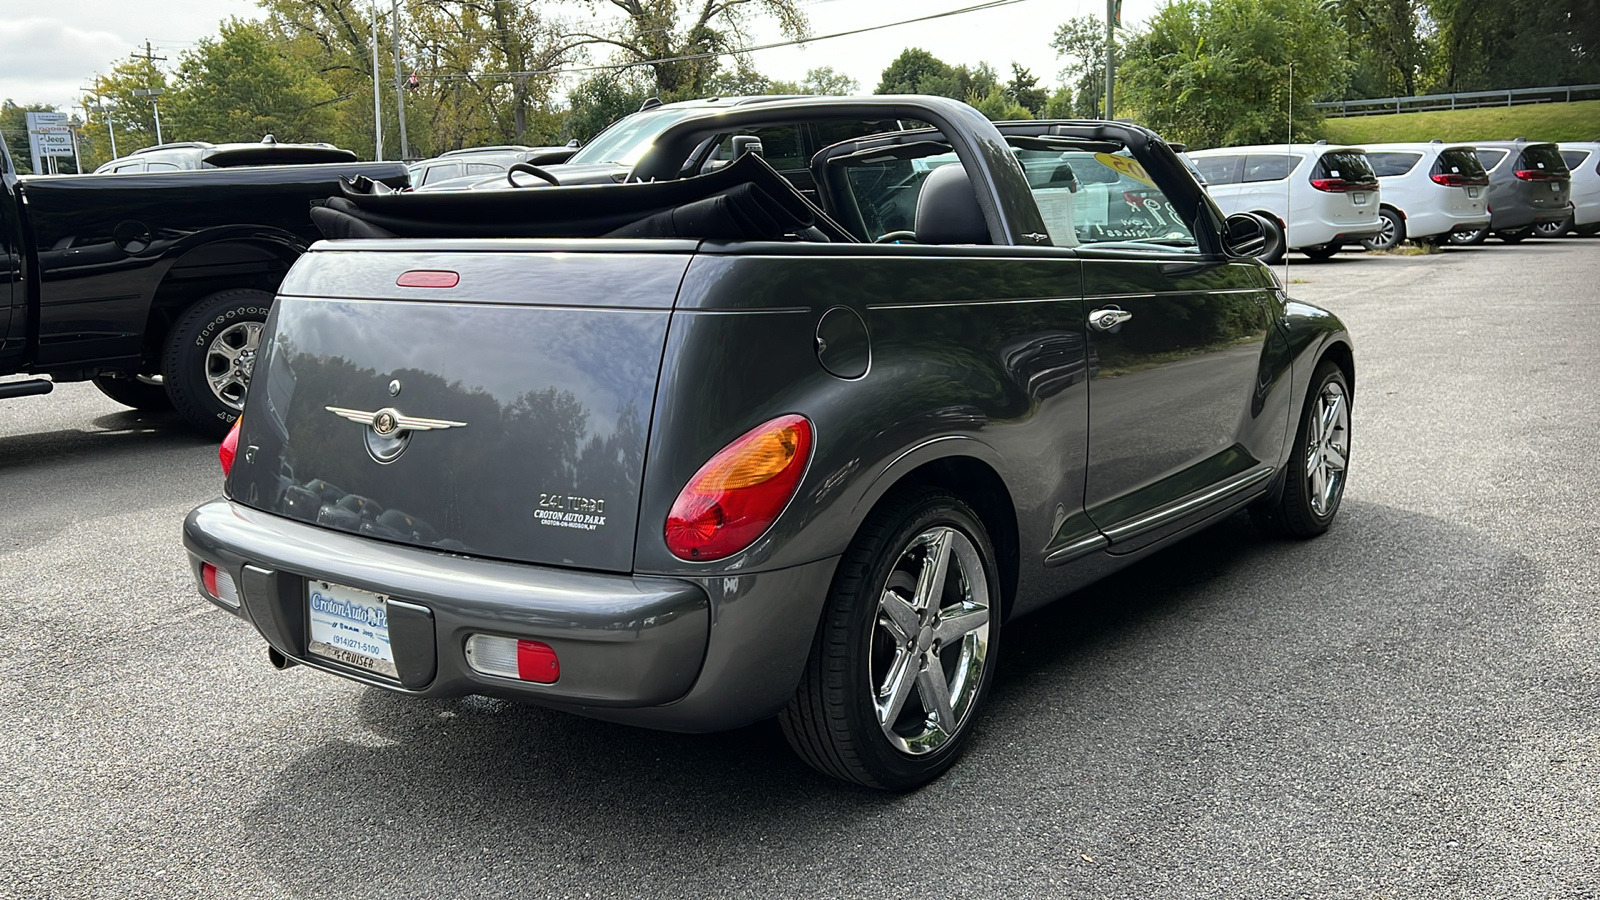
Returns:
(570,511)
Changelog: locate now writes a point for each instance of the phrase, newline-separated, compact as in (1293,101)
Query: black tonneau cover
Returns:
(746,200)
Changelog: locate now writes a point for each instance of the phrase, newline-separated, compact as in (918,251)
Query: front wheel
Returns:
(1587,230)
(906,649)
(1318,463)
(1469,238)
(1321,251)
(1552,229)
(211,354)
(1394,231)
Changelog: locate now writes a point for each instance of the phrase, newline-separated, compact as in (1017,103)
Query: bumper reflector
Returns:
(219,584)
(517,658)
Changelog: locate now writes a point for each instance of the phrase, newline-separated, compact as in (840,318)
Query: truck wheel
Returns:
(210,355)
(1321,252)
(140,393)
(906,650)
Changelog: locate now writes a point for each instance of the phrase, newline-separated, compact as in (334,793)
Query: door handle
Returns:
(1108,318)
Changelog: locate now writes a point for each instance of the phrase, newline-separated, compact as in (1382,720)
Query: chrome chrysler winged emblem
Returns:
(388,421)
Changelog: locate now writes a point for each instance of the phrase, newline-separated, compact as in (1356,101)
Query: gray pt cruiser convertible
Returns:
(744,437)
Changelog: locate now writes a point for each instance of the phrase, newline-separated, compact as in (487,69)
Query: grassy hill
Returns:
(1537,122)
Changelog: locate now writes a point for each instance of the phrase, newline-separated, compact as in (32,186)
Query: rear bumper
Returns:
(1430,223)
(1315,231)
(632,648)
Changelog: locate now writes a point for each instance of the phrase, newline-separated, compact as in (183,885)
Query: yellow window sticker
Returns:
(1122,165)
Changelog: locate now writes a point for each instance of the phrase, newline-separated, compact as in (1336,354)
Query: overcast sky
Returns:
(50,54)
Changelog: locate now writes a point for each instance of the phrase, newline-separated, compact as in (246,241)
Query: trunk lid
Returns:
(501,413)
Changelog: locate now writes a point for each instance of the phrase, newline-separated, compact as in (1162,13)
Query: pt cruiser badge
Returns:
(389,431)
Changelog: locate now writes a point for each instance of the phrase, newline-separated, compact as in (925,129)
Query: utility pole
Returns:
(99,108)
(151,59)
(1113,16)
(399,89)
(377,98)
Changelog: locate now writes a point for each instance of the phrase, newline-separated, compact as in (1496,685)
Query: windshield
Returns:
(630,138)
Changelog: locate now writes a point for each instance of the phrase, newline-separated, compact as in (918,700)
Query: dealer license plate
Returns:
(1555,186)
(1472,193)
(1360,199)
(350,626)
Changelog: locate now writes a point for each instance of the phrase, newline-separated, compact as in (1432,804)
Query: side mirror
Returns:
(574,144)
(1247,236)
(746,143)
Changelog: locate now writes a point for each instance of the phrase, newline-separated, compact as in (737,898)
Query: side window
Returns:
(1574,158)
(1218,169)
(484,169)
(1387,165)
(1269,166)
(128,168)
(1490,158)
(160,167)
(436,174)
(1087,197)
(830,133)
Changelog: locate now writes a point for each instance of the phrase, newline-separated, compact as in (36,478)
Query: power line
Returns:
(572,70)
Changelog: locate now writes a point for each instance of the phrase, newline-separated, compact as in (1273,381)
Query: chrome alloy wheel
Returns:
(1328,448)
(931,639)
(229,360)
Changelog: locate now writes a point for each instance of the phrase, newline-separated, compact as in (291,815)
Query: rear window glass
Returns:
(436,174)
(780,145)
(1457,161)
(1269,166)
(1218,169)
(1574,158)
(1349,165)
(1389,164)
(1543,158)
(1490,158)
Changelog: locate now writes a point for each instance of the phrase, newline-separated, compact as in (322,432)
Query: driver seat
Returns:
(948,211)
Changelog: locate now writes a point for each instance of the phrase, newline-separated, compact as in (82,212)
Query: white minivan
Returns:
(1429,191)
(1583,161)
(1318,196)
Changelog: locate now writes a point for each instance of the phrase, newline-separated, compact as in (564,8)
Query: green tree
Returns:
(680,41)
(1385,46)
(998,106)
(1513,43)
(1081,43)
(241,86)
(914,71)
(1023,89)
(1217,73)
(133,117)
(825,80)
(1059,106)
(601,99)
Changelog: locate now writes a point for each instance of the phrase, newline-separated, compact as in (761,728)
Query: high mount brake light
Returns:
(230,448)
(739,492)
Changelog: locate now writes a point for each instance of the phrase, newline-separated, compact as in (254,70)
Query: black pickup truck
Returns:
(154,286)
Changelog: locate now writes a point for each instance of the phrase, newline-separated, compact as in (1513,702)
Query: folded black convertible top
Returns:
(745,200)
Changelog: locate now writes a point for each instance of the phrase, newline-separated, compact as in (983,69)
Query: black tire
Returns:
(200,342)
(1587,230)
(1394,232)
(833,721)
(146,395)
(1277,244)
(1469,238)
(1321,252)
(1553,229)
(1299,511)
(1515,235)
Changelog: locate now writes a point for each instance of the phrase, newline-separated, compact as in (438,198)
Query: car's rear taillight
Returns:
(230,447)
(739,493)
(1451,179)
(1540,175)
(517,658)
(1340,185)
(218,584)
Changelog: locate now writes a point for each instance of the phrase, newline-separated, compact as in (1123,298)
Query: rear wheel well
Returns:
(204,271)
(979,486)
(1397,211)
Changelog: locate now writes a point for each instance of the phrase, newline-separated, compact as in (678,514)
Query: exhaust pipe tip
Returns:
(278,660)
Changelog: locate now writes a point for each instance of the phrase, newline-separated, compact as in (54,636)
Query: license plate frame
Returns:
(1473,193)
(1359,198)
(349,626)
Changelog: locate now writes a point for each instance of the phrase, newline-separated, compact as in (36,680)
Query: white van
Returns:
(1319,196)
(1429,191)
(1583,160)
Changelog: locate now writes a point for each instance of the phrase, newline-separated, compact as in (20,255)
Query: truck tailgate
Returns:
(499,409)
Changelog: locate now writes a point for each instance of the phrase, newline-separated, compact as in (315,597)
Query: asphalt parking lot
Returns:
(1407,707)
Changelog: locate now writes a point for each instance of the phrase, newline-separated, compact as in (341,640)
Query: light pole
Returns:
(99,108)
(152,93)
(399,89)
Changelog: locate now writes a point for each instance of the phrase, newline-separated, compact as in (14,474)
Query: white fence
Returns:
(1468,100)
